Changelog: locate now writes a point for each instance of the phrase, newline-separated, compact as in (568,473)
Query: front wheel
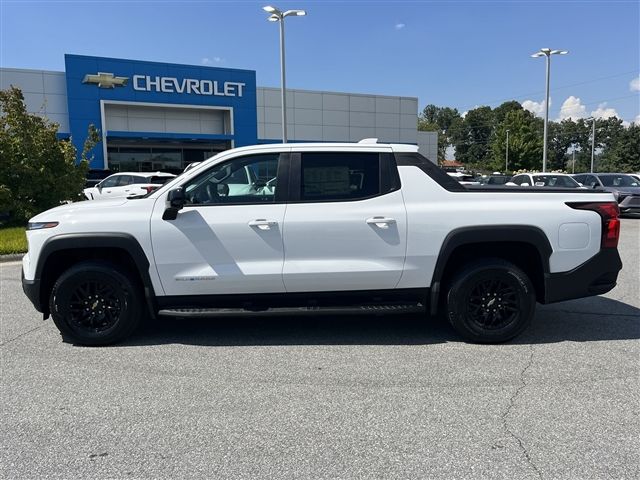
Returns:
(94,303)
(490,301)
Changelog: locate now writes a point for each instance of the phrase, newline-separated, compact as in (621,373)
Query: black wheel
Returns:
(490,301)
(93,303)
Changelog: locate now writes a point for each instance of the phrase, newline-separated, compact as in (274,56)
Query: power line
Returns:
(492,124)
(538,92)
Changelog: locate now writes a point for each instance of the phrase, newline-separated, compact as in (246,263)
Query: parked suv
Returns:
(322,228)
(127,184)
(625,188)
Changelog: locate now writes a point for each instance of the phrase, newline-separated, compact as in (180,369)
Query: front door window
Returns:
(243,180)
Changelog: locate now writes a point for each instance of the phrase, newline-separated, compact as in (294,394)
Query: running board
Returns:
(280,311)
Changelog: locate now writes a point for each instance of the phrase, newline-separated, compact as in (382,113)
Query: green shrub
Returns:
(38,170)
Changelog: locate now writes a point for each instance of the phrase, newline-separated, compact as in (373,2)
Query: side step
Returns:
(416,307)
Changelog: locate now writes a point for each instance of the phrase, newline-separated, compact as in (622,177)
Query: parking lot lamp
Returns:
(279,16)
(547,52)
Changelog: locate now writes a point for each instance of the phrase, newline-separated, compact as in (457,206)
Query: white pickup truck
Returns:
(324,228)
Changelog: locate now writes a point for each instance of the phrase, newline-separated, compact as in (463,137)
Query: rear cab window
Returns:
(342,176)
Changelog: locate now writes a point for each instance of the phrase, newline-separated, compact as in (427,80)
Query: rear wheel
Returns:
(94,303)
(490,301)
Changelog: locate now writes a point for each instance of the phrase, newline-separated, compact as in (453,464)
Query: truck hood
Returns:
(54,214)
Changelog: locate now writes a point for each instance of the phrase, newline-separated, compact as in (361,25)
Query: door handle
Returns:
(381,222)
(263,224)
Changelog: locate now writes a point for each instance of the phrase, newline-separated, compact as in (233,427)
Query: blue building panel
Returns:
(154,82)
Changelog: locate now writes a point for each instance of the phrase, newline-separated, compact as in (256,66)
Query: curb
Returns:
(12,257)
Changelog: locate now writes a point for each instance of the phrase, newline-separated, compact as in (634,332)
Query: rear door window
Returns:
(335,176)
(124,180)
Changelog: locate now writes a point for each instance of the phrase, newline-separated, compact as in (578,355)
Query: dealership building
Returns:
(161,116)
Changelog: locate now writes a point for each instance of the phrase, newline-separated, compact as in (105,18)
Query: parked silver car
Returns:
(624,187)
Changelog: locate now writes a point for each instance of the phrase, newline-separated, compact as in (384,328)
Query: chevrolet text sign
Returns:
(147,83)
(94,82)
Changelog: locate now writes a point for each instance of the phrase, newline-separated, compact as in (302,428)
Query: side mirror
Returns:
(580,184)
(595,186)
(176,198)
(525,184)
(175,202)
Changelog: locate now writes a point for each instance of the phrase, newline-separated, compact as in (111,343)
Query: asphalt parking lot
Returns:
(353,397)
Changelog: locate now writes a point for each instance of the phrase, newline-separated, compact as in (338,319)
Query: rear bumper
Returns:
(31,289)
(596,276)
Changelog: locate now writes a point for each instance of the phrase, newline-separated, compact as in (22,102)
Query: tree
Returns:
(38,170)
(623,152)
(562,135)
(500,112)
(438,119)
(471,137)
(525,144)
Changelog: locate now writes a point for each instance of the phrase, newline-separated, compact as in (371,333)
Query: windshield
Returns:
(555,181)
(498,180)
(618,181)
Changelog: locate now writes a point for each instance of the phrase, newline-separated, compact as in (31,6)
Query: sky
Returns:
(452,53)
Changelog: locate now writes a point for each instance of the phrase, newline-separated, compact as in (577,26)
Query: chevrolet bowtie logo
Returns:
(105,80)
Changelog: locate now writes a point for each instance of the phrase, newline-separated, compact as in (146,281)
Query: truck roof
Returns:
(365,144)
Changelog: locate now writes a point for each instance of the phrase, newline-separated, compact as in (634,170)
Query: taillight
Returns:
(149,189)
(609,213)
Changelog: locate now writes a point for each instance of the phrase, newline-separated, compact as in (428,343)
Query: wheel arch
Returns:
(526,246)
(61,251)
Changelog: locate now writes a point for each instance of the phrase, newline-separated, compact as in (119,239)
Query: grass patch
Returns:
(12,240)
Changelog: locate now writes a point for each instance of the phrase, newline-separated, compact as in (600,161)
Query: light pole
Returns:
(547,52)
(593,142)
(506,156)
(279,16)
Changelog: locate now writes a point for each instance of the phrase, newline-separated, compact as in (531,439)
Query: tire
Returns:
(94,303)
(490,301)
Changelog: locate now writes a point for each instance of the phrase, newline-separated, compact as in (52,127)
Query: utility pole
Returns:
(593,143)
(506,156)
(573,163)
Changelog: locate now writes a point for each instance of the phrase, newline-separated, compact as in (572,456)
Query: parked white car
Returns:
(557,180)
(127,184)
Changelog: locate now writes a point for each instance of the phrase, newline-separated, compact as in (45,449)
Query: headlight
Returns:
(41,225)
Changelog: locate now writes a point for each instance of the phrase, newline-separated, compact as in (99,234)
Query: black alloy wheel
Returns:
(490,301)
(95,303)
(493,304)
(95,306)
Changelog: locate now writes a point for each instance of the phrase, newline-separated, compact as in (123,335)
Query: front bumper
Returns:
(31,289)
(596,276)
